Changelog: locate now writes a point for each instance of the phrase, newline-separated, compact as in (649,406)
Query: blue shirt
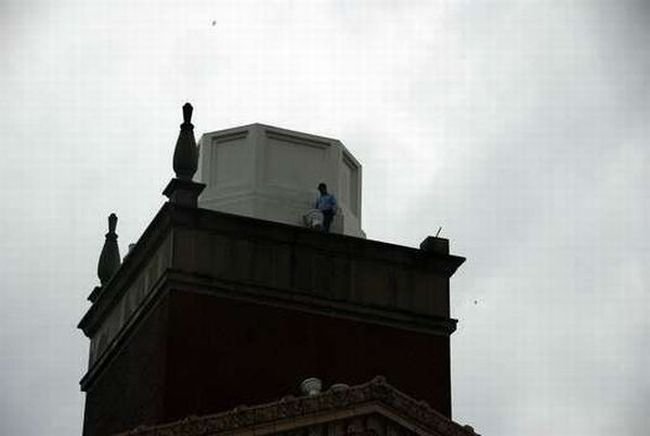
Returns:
(326,202)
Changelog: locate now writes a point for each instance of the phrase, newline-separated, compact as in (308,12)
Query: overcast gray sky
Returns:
(521,127)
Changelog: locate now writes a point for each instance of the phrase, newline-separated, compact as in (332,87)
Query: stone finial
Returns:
(112,223)
(187,113)
(109,259)
(186,153)
(181,190)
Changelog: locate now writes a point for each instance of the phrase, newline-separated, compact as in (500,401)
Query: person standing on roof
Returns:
(326,203)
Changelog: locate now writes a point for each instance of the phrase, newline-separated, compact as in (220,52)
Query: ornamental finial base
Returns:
(183,192)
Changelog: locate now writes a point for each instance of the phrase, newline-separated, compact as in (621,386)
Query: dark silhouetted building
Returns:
(212,310)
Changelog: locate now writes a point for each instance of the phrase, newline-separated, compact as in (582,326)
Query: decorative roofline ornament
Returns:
(109,259)
(186,154)
(353,402)
(181,190)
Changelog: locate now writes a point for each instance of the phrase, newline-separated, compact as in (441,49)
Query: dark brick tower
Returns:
(210,310)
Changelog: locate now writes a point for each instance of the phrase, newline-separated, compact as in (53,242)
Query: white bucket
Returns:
(313,219)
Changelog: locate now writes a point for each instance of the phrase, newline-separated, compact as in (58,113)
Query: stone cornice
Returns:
(284,298)
(169,216)
(386,399)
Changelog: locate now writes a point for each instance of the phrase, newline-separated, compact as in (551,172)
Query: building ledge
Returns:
(373,408)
